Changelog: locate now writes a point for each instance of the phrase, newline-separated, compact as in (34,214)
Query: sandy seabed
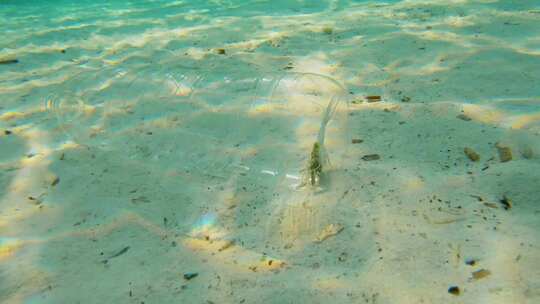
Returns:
(159,152)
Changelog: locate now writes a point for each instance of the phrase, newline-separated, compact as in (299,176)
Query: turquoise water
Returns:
(269,151)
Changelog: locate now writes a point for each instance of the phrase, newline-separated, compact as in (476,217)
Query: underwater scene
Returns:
(270,151)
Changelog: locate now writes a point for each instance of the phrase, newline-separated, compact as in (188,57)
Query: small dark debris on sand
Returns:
(454,290)
(35,200)
(289,66)
(190,275)
(506,203)
(357,141)
(405,99)
(471,262)
(479,198)
(463,117)
(9,61)
(119,253)
(7,132)
(373,98)
(371,157)
(221,51)
(527,153)
(228,244)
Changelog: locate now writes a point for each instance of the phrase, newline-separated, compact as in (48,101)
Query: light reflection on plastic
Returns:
(273,173)
(290,176)
(206,221)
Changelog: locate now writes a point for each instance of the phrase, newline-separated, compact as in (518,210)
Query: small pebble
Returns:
(328,30)
(480,274)
(7,132)
(471,154)
(357,141)
(505,153)
(221,51)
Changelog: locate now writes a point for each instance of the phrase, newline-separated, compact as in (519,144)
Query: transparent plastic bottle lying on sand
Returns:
(317,109)
(287,141)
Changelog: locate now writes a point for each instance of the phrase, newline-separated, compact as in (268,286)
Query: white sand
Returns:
(140,154)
